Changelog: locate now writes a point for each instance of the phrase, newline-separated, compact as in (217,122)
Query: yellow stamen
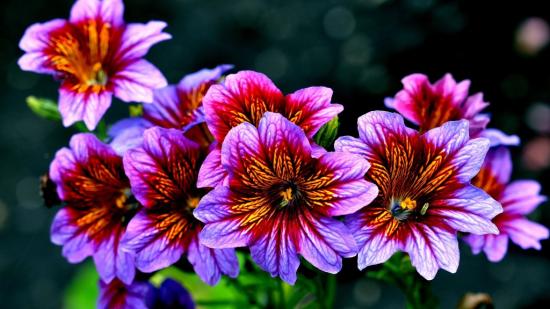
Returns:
(408,204)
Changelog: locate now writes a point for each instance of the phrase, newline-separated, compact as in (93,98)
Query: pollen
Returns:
(408,204)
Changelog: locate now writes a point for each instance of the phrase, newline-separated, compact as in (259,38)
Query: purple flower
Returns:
(170,294)
(425,193)
(518,199)
(280,199)
(163,174)
(245,97)
(430,106)
(117,295)
(175,106)
(90,179)
(95,54)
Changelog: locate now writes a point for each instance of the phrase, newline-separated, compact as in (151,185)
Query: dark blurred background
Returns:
(360,48)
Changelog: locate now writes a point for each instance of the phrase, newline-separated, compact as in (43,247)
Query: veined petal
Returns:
(522,197)
(110,11)
(127,134)
(324,241)
(431,248)
(37,37)
(137,39)
(162,171)
(498,138)
(310,108)
(243,97)
(112,262)
(194,81)
(87,106)
(375,127)
(212,173)
(76,246)
(210,264)
(525,233)
(450,137)
(495,247)
(468,159)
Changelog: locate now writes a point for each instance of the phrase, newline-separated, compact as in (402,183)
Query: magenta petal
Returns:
(315,103)
(192,81)
(209,264)
(275,253)
(431,248)
(221,230)
(375,248)
(351,145)
(241,141)
(212,173)
(470,210)
(136,82)
(499,162)
(137,39)
(404,101)
(87,106)
(324,241)
(279,134)
(37,36)
(476,242)
(521,197)
(525,233)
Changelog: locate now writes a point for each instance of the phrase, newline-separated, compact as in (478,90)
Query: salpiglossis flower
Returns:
(175,106)
(280,199)
(95,54)
(518,199)
(118,295)
(431,105)
(425,192)
(245,97)
(163,173)
(90,180)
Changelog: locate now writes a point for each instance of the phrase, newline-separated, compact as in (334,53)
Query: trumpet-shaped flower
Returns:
(175,106)
(90,179)
(518,199)
(430,106)
(96,55)
(163,173)
(280,199)
(425,192)
(245,97)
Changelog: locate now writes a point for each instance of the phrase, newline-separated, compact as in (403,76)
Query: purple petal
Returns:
(37,36)
(470,210)
(495,247)
(324,241)
(110,11)
(275,253)
(137,39)
(499,162)
(374,126)
(374,247)
(525,233)
(212,172)
(468,159)
(136,82)
(241,141)
(497,138)
(87,106)
(194,80)
(431,248)
(521,197)
(220,230)
(275,131)
(117,295)
(127,134)
(449,137)
(112,262)
(209,263)
(76,245)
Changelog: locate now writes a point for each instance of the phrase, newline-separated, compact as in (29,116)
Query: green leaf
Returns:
(327,134)
(136,110)
(83,290)
(44,108)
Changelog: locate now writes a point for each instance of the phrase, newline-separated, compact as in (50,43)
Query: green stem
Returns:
(331,290)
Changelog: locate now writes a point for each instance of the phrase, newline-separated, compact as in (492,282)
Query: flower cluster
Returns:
(218,162)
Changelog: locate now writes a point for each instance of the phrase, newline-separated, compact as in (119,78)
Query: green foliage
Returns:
(398,271)
(83,290)
(327,134)
(44,108)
